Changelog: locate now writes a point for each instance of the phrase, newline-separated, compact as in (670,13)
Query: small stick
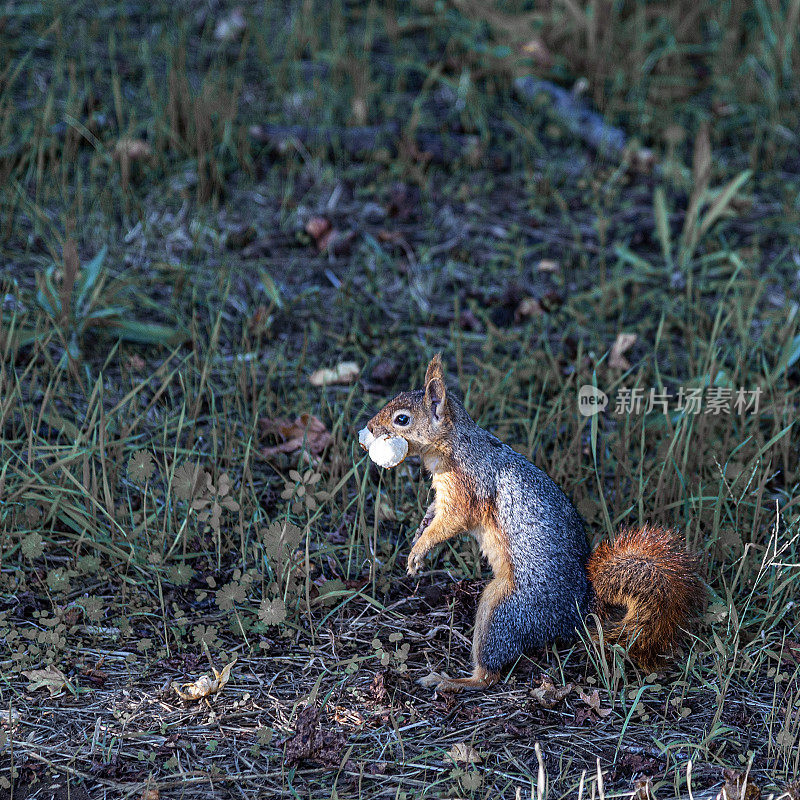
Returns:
(541,779)
(600,788)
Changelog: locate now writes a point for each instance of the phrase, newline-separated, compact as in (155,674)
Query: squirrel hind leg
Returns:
(490,641)
(480,679)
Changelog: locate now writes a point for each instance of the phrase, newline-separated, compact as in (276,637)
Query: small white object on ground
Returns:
(344,373)
(388,451)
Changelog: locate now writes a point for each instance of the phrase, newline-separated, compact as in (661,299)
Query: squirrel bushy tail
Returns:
(646,589)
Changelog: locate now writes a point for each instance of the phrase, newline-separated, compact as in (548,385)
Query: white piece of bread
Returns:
(365,438)
(388,451)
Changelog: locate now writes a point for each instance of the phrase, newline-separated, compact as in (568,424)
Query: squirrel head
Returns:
(421,417)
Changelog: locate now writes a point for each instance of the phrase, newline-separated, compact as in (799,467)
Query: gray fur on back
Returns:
(547,539)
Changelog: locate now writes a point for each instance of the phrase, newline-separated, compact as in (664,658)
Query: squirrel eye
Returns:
(402,420)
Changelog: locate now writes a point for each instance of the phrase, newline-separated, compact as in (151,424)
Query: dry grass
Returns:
(140,516)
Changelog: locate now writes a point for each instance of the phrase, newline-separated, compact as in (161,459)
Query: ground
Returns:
(203,204)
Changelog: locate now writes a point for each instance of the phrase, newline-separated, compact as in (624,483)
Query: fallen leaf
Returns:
(132,149)
(313,743)
(548,265)
(94,675)
(51,678)
(205,685)
(305,431)
(593,701)
(231,26)
(464,753)
(377,689)
(623,343)
(344,373)
(136,363)
(320,230)
(317,226)
(150,794)
(643,789)
(538,52)
(347,717)
(738,786)
(391,237)
(528,307)
(630,764)
(582,713)
(548,695)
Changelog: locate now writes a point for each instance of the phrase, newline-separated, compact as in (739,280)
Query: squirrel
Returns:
(644,586)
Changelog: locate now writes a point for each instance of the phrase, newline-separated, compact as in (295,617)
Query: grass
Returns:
(165,300)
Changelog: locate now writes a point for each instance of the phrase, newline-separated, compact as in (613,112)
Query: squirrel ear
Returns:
(436,400)
(435,370)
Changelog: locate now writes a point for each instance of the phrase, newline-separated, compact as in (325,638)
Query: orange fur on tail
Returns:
(647,578)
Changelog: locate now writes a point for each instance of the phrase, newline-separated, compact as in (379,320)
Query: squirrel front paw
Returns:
(426,520)
(416,558)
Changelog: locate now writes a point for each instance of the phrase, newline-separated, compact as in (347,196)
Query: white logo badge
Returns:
(591,400)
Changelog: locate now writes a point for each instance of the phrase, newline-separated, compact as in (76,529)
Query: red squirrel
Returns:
(545,580)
